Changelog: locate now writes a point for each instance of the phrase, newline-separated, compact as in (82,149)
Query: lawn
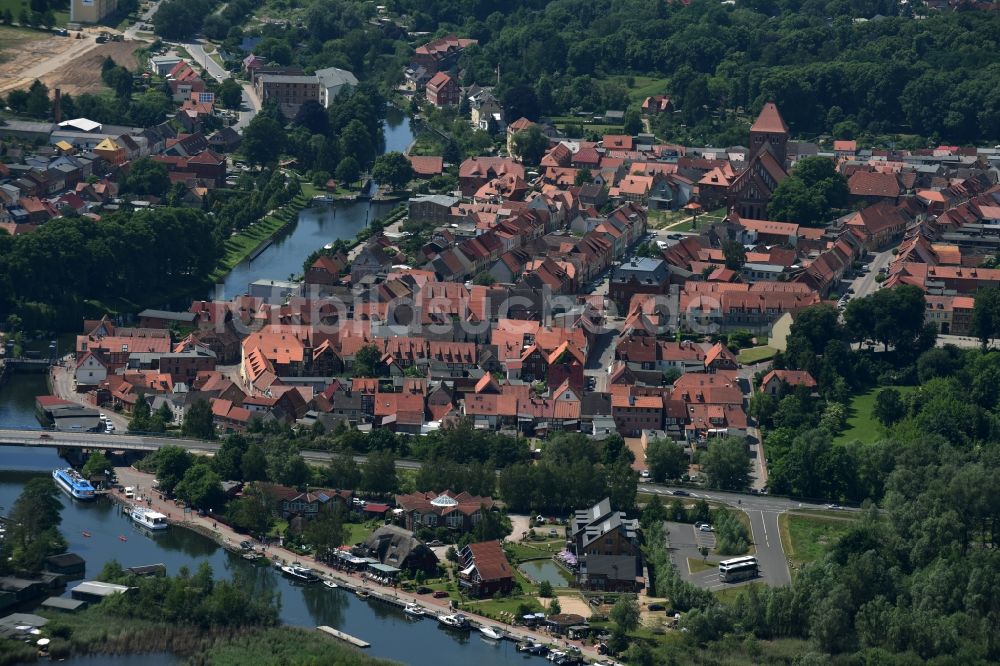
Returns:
(807,538)
(756,354)
(728,595)
(494,607)
(15,7)
(12,39)
(241,245)
(861,425)
(357,532)
(696,565)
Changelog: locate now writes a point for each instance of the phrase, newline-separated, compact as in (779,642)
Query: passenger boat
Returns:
(74,485)
(151,520)
(532,647)
(330,584)
(455,621)
(300,573)
(493,631)
(413,610)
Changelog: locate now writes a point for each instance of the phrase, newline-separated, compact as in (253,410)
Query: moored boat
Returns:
(299,573)
(455,621)
(151,520)
(330,584)
(74,485)
(361,593)
(413,610)
(493,631)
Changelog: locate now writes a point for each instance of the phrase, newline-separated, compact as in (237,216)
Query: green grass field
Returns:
(861,425)
(756,354)
(15,6)
(807,538)
(696,565)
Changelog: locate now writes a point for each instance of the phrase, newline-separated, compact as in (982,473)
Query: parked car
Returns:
(705,528)
(682,493)
(423,589)
(246,545)
(440,594)
(657,607)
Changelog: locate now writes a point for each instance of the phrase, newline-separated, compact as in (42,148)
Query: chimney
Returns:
(57,106)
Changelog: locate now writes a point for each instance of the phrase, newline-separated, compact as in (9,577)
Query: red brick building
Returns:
(442,90)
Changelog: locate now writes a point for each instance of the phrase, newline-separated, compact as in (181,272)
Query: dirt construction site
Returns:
(70,64)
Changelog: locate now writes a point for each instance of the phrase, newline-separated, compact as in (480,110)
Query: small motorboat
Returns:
(413,610)
(362,593)
(330,584)
(456,621)
(86,534)
(122,537)
(492,632)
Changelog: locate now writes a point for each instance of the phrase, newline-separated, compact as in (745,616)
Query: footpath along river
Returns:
(392,634)
(316,226)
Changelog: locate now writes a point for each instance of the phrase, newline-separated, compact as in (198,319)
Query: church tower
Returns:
(770,133)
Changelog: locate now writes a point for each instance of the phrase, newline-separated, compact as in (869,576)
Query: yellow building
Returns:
(90,11)
(111,152)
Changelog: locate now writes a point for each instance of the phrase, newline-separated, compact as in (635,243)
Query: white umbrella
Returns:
(35,632)
(42,642)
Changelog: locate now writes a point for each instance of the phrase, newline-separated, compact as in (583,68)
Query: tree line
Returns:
(827,72)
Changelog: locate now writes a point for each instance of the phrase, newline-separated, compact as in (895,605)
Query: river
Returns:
(391,633)
(316,227)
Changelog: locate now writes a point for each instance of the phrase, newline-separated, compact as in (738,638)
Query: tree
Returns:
(254,463)
(231,94)
(263,139)
(531,144)
(343,472)
(33,532)
(348,171)
(368,361)
(228,460)
(889,407)
(986,315)
(378,475)
(735,255)
(172,462)
(96,465)
(633,122)
(520,102)
(253,512)
(392,169)
(198,421)
(554,607)
(625,613)
(147,177)
(327,531)
(809,193)
(545,589)
(726,464)
(37,104)
(201,487)
(583,176)
(666,460)
(140,415)
(356,141)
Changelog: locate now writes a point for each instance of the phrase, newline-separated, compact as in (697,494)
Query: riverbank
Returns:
(95,631)
(377,593)
(248,244)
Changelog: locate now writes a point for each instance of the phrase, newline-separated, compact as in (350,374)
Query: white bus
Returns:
(737,569)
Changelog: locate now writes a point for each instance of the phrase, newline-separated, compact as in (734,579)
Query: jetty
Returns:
(336,633)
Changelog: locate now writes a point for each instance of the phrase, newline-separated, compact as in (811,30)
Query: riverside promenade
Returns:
(230,539)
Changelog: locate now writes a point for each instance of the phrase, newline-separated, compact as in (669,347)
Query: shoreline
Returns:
(228,539)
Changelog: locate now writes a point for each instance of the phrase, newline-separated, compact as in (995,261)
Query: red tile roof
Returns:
(770,120)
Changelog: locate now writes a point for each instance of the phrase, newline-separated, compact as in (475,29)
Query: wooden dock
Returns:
(336,633)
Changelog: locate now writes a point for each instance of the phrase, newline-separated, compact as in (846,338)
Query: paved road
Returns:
(198,54)
(865,283)
(147,17)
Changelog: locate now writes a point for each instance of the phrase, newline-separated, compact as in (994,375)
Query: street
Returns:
(865,283)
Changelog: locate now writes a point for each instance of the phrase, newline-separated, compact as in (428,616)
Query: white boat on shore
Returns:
(413,610)
(299,573)
(493,632)
(151,520)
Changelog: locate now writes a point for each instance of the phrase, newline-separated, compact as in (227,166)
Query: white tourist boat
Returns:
(413,610)
(151,520)
(299,573)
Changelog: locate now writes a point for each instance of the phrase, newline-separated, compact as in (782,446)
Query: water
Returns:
(17,400)
(392,634)
(316,226)
(539,570)
(150,659)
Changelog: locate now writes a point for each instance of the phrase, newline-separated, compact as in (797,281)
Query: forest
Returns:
(832,67)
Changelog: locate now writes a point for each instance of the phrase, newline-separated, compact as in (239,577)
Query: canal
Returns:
(316,227)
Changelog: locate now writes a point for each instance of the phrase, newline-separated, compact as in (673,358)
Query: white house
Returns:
(91,370)
(331,82)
